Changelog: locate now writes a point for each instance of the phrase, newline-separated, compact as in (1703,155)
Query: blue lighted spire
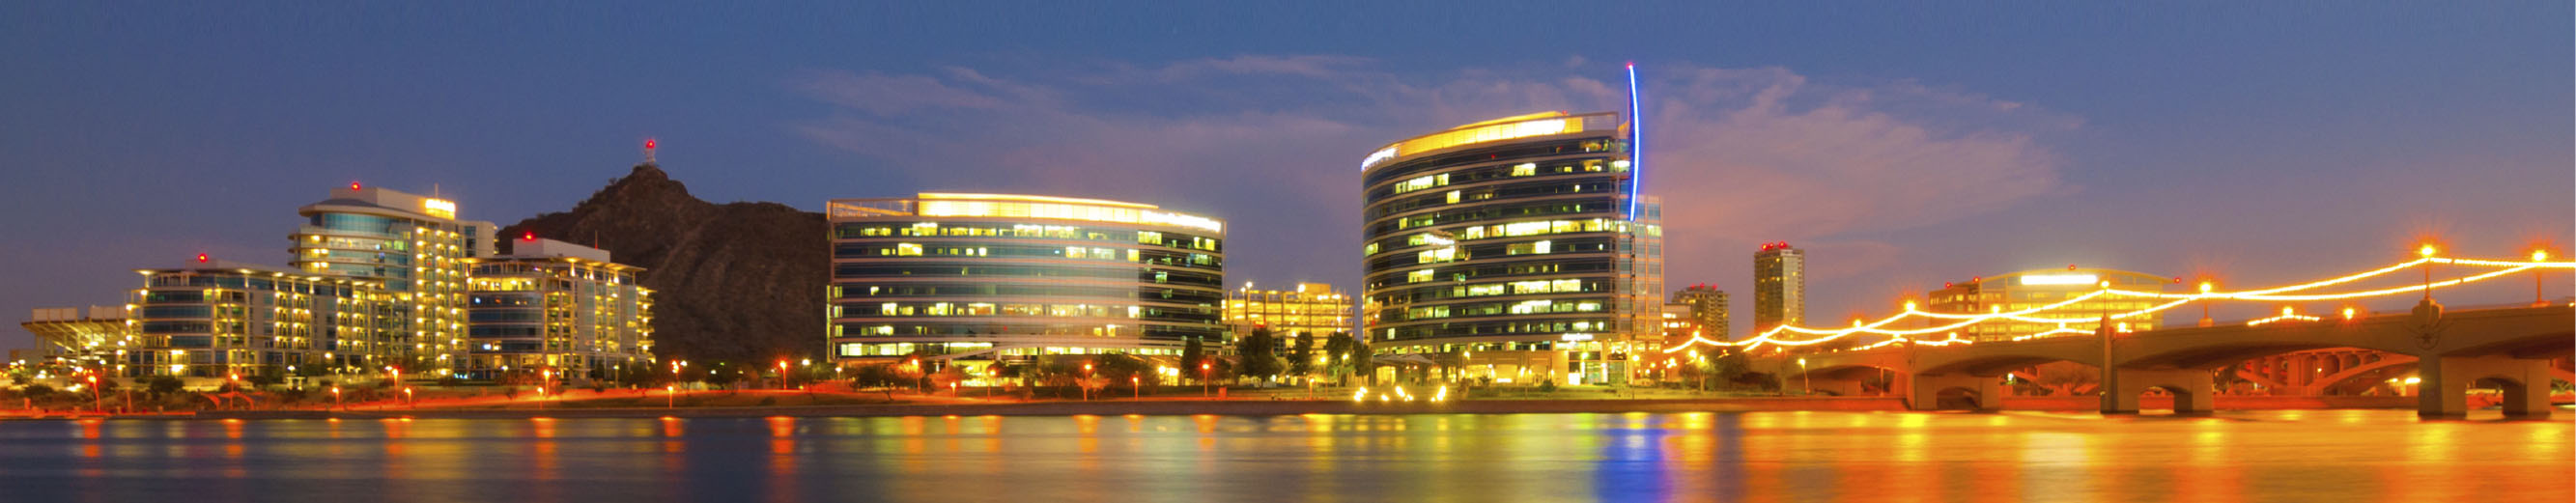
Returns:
(1636,144)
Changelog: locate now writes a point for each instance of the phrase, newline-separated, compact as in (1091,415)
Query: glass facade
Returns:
(1518,234)
(2032,289)
(1020,276)
(222,320)
(415,248)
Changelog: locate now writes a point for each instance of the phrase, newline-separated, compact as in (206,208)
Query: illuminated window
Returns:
(1453,197)
(1438,255)
(1418,276)
(1532,248)
(1525,169)
(907,249)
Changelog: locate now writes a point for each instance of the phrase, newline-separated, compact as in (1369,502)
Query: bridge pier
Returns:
(2444,391)
(2194,392)
(1924,391)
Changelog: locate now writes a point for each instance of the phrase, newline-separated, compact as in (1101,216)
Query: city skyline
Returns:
(2176,172)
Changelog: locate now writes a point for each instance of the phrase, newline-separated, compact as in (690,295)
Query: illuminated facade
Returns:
(1313,309)
(411,244)
(1514,240)
(552,305)
(2030,289)
(1779,286)
(1705,306)
(215,319)
(1014,277)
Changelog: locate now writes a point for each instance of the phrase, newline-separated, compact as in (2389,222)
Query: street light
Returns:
(97,403)
(335,397)
(2539,286)
(782,374)
(1086,382)
(1808,381)
(1138,384)
(1205,372)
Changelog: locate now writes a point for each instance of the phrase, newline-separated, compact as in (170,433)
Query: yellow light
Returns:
(2426,251)
(2207,293)
(1507,128)
(2539,255)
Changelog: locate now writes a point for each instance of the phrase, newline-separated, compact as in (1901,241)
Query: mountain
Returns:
(739,282)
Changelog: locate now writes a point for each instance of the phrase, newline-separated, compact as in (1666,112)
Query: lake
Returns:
(2332,455)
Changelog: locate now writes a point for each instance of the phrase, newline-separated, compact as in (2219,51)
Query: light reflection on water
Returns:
(1770,456)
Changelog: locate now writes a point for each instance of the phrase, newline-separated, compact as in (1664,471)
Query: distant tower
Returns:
(648,151)
(1779,286)
(1707,309)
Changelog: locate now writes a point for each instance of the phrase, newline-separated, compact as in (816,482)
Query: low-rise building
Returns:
(554,306)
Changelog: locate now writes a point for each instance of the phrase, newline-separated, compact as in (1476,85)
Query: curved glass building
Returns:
(1016,276)
(416,248)
(1519,242)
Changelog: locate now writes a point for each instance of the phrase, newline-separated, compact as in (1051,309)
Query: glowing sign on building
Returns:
(440,208)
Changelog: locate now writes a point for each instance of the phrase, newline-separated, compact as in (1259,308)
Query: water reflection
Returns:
(1790,456)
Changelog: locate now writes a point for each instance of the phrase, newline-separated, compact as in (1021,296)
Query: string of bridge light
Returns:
(2539,260)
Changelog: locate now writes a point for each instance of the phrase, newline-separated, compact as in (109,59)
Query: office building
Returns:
(554,306)
(1519,242)
(992,277)
(1779,286)
(1705,306)
(2035,288)
(85,338)
(415,248)
(214,319)
(1310,310)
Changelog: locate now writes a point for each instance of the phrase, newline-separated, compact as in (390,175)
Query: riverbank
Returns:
(1239,407)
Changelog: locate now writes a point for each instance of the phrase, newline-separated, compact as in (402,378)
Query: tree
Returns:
(35,391)
(2066,378)
(164,385)
(1191,356)
(720,376)
(1337,356)
(1301,357)
(1259,352)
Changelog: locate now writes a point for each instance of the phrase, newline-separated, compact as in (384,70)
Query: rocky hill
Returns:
(740,282)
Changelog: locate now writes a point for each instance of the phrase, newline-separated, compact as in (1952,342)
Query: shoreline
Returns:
(1256,408)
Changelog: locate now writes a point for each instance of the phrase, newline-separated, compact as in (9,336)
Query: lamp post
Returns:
(1205,372)
(1138,384)
(670,395)
(1086,382)
(1806,382)
(2539,286)
(2205,288)
(97,403)
(782,374)
(409,403)
(335,397)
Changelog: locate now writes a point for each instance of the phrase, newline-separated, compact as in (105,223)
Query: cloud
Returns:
(1740,155)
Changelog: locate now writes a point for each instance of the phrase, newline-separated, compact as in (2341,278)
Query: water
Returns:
(1768,456)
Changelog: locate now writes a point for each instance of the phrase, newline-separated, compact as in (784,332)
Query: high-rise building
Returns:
(1705,305)
(1000,277)
(216,319)
(1779,286)
(554,306)
(1310,310)
(1520,243)
(2035,288)
(415,247)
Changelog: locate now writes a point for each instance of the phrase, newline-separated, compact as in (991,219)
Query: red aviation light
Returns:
(648,144)
(201,258)
(528,236)
(353,185)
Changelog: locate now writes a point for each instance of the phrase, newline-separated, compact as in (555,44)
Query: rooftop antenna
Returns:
(648,151)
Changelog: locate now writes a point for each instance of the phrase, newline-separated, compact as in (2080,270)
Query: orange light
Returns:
(2427,250)
(2539,255)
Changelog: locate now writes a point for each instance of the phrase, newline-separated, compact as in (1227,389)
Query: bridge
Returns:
(2511,349)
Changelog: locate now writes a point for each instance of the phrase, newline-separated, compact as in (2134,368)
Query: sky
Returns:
(1903,145)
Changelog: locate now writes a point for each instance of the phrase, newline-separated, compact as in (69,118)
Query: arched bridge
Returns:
(2507,348)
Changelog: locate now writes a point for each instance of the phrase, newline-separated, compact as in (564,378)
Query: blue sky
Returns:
(1904,145)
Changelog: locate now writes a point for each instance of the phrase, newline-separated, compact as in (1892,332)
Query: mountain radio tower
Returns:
(648,151)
